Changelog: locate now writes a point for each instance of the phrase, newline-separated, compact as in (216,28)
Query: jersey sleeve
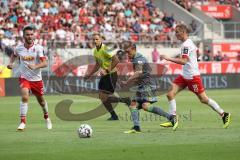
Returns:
(40,53)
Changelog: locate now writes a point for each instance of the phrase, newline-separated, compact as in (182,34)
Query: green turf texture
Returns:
(200,135)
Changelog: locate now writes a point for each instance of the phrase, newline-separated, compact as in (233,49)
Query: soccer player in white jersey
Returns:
(32,60)
(190,77)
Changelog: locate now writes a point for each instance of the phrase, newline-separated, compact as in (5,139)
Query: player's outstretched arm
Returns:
(138,71)
(94,70)
(12,59)
(181,61)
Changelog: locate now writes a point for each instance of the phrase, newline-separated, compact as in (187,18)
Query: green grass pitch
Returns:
(200,135)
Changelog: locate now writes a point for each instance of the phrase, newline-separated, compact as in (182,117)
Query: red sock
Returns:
(23,119)
(45,115)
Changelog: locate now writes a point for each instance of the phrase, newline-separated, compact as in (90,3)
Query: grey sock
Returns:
(159,111)
(135,116)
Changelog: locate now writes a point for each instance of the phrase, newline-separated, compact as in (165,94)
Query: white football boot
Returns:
(21,127)
(48,123)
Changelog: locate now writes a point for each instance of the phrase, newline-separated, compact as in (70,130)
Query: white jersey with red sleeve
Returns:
(31,55)
(189,51)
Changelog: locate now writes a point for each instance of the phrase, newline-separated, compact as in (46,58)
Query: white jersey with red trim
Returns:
(189,50)
(28,56)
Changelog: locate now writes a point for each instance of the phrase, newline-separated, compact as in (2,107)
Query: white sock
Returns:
(23,109)
(215,106)
(172,107)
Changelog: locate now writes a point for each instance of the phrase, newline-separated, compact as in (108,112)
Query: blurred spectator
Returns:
(225,58)
(238,56)
(155,55)
(206,57)
(206,54)
(193,26)
(55,20)
(218,56)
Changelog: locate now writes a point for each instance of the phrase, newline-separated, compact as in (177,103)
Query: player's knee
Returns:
(24,98)
(145,107)
(204,100)
(133,105)
(42,103)
(170,95)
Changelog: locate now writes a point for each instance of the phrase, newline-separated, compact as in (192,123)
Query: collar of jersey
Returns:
(100,47)
(29,46)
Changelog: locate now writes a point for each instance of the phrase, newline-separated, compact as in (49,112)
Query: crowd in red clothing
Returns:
(72,22)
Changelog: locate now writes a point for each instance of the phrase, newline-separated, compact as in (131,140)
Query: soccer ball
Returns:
(85,131)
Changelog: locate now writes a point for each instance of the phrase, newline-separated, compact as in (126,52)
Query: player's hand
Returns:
(10,66)
(103,72)
(32,66)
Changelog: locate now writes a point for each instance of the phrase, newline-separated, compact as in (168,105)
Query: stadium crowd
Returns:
(72,21)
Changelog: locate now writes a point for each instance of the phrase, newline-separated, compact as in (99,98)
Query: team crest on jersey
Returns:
(28,58)
(185,50)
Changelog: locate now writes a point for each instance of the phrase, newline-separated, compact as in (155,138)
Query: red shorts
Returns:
(36,87)
(195,85)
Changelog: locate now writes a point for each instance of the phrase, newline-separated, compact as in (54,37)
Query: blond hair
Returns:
(183,28)
(98,34)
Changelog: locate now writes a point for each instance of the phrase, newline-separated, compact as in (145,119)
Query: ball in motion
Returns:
(85,131)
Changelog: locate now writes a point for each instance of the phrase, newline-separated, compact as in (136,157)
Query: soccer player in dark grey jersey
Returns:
(146,87)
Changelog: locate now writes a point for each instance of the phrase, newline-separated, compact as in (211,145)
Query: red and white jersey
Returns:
(189,50)
(31,55)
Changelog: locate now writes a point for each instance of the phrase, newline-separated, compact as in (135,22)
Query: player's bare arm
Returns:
(181,61)
(94,70)
(12,59)
(135,76)
(114,63)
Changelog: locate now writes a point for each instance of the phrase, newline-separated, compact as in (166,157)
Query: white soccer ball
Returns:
(85,131)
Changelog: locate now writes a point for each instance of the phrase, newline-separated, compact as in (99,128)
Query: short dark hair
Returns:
(128,44)
(26,28)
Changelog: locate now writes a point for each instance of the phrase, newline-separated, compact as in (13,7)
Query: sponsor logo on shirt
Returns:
(28,58)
